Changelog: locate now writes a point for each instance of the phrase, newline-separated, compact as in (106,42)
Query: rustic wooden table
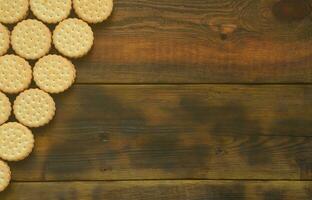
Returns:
(183,100)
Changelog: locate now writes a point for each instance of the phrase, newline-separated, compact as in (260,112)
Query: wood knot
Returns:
(228,28)
(223,28)
(291,10)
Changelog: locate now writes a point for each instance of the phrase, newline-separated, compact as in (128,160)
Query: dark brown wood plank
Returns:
(175,132)
(155,190)
(202,41)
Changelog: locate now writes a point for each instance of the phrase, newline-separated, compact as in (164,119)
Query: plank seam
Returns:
(190,84)
(159,180)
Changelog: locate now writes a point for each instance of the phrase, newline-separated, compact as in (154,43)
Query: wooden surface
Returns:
(150,190)
(175,132)
(181,99)
(201,41)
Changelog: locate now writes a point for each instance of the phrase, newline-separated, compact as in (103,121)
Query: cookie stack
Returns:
(31,39)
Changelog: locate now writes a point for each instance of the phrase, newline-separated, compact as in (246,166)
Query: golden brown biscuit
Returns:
(5,108)
(15,74)
(93,11)
(31,39)
(51,11)
(54,74)
(16,141)
(4,39)
(34,108)
(73,38)
(5,175)
(12,11)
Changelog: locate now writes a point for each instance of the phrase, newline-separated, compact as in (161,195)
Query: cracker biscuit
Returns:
(93,11)
(51,11)
(15,74)
(12,11)
(5,108)
(5,175)
(73,38)
(4,39)
(54,74)
(31,39)
(34,108)
(16,141)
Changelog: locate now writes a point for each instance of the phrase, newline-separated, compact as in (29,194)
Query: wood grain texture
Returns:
(137,136)
(202,41)
(158,190)
(175,132)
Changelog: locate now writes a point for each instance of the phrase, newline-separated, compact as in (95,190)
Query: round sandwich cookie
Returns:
(73,38)
(5,108)
(5,175)
(15,74)
(34,108)
(4,39)
(31,39)
(12,11)
(93,11)
(16,141)
(51,11)
(54,74)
